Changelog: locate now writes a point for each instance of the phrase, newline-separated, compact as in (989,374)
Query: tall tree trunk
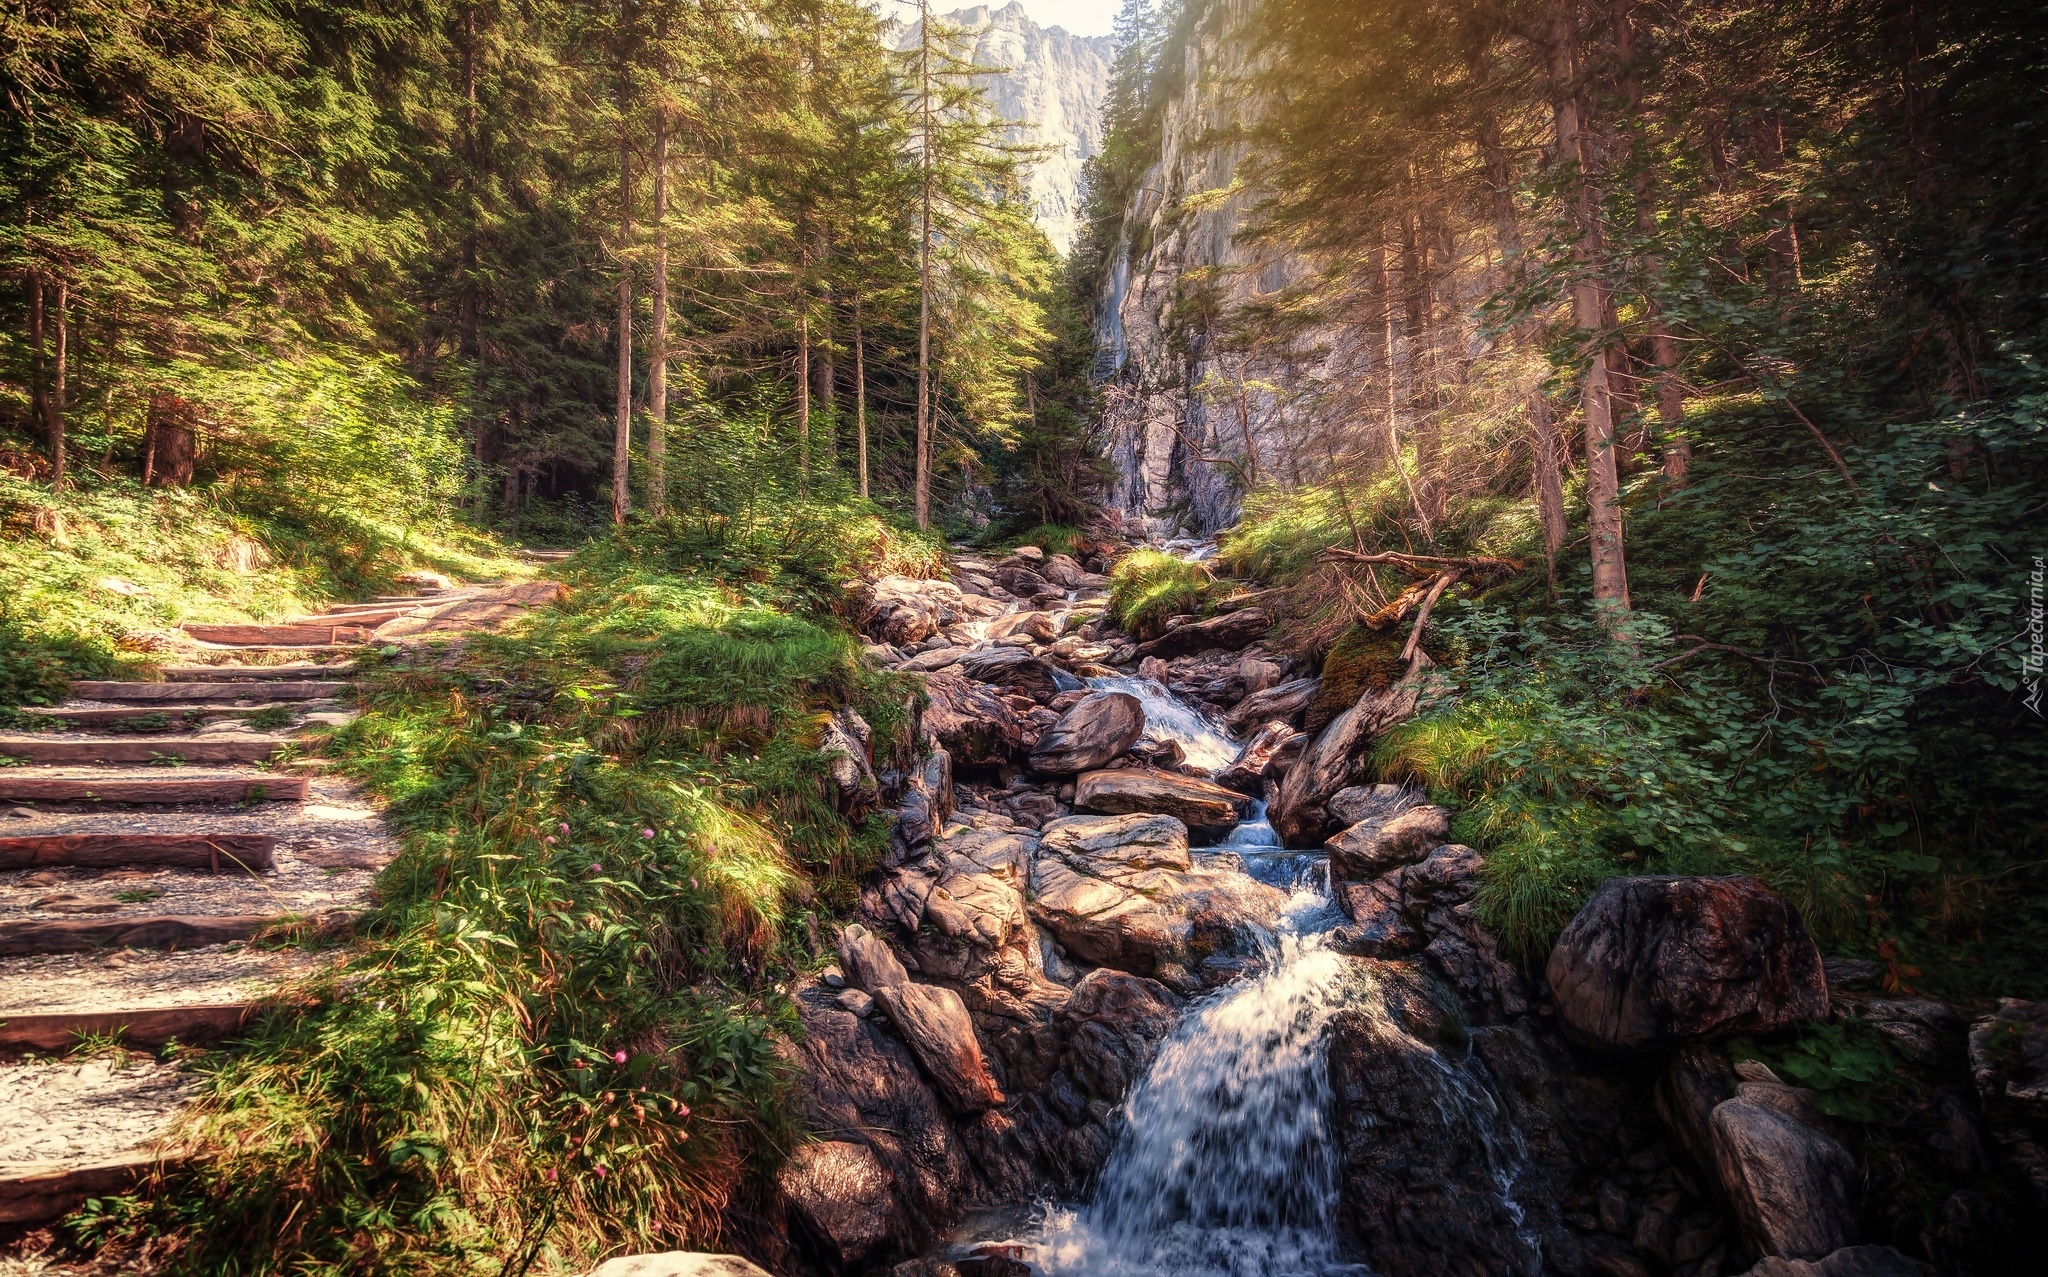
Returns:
(657,356)
(467,304)
(860,399)
(1672,442)
(38,356)
(172,446)
(824,371)
(923,480)
(1546,450)
(56,401)
(803,398)
(1589,310)
(1385,323)
(622,430)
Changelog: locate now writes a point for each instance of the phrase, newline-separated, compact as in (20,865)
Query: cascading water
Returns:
(1167,717)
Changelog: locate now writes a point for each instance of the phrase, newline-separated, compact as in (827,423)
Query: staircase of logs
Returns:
(160,849)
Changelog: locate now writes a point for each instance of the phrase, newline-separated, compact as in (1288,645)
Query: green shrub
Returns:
(1148,586)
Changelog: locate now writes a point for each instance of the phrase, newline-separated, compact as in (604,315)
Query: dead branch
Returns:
(1424,567)
(1436,591)
(1770,663)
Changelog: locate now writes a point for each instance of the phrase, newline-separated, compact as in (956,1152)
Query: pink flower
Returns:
(647,833)
(601,1171)
(596,868)
(551,1175)
(682,1110)
(551,840)
(618,1057)
(564,827)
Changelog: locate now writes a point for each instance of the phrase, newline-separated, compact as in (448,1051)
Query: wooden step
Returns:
(142,749)
(293,691)
(23,785)
(257,673)
(148,1026)
(215,852)
(22,936)
(36,1194)
(285,635)
(178,718)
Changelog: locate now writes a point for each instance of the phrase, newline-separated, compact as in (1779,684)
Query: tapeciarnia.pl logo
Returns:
(2030,660)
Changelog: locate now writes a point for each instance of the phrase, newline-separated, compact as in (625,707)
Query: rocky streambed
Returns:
(1171,985)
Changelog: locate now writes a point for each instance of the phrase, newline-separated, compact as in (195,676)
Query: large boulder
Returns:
(2009,1057)
(1230,631)
(1282,702)
(934,1021)
(1013,668)
(678,1263)
(1371,802)
(1124,892)
(1262,757)
(845,1197)
(901,610)
(1850,1261)
(1659,961)
(1375,845)
(845,744)
(1093,730)
(926,801)
(1333,760)
(1144,789)
(1793,1188)
(972,720)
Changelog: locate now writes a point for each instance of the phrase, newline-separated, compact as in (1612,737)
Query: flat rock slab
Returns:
(280,690)
(180,785)
(1145,789)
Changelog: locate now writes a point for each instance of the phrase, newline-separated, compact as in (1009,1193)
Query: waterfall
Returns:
(1167,717)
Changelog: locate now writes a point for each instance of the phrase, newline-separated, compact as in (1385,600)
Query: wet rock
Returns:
(678,1263)
(844,1196)
(1850,1261)
(1020,580)
(1659,961)
(934,1021)
(1039,627)
(926,801)
(856,1002)
(845,746)
(863,1085)
(1091,732)
(1248,774)
(1371,802)
(899,610)
(1230,631)
(973,721)
(1063,571)
(1793,1188)
(2009,1057)
(1146,789)
(1332,761)
(937,658)
(975,934)
(1375,845)
(1028,554)
(1698,1080)
(1015,669)
(1282,702)
(1923,1028)
(1124,892)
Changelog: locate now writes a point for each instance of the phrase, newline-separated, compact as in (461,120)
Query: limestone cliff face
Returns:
(1051,86)
(1190,419)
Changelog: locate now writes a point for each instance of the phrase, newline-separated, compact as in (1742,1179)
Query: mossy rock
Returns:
(1361,661)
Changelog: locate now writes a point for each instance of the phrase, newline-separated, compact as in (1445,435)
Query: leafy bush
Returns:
(1053,538)
(1147,586)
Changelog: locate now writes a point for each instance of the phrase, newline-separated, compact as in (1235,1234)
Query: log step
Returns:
(22,936)
(130,749)
(214,852)
(258,673)
(132,788)
(284,635)
(180,717)
(282,691)
(152,1026)
(36,1194)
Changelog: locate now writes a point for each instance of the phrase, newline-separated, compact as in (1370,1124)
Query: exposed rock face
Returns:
(1371,802)
(1013,668)
(844,1195)
(845,745)
(1230,631)
(1373,846)
(926,801)
(2009,1056)
(1124,892)
(933,1021)
(1660,961)
(678,1263)
(1332,761)
(900,610)
(1146,789)
(1793,1188)
(1051,85)
(1091,732)
(1282,702)
(1850,1261)
(973,722)
(1261,758)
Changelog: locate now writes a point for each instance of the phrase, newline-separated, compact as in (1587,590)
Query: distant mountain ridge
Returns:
(1051,87)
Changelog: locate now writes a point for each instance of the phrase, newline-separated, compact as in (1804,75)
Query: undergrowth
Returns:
(1148,586)
(562,1035)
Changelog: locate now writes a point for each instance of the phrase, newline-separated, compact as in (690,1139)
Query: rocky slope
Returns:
(1051,84)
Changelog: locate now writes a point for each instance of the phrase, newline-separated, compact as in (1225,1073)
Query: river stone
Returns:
(900,611)
(1284,702)
(1373,846)
(972,721)
(1021,580)
(1123,892)
(1658,961)
(926,802)
(1038,627)
(1850,1261)
(1230,631)
(1145,789)
(1091,732)
(1014,668)
(1792,1187)
(1371,802)
(1259,758)
(678,1263)
(935,1023)
(844,1194)
(1332,761)
(2009,1056)
(1062,571)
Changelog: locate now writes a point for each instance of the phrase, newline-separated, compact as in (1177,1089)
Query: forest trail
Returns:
(159,835)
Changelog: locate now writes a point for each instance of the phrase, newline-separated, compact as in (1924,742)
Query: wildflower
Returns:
(601,1171)
(647,833)
(618,1057)
(612,1121)
(596,868)
(682,1110)
(551,1175)
(564,827)
(609,1097)
(551,840)
(577,1065)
